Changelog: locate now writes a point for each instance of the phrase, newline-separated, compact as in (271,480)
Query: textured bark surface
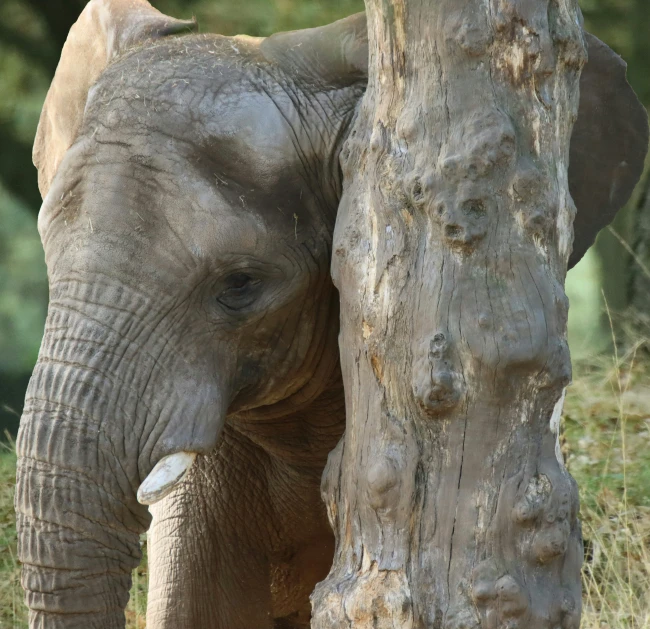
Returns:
(450,503)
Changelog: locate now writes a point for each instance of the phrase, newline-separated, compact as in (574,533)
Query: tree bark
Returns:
(448,496)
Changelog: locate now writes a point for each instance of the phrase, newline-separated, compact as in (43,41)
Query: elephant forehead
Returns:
(190,156)
(232,112)
(112,226)
(114,214)
(254,142)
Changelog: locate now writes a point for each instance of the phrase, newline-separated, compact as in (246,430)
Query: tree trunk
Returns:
(615,265)
(639,24)
(448,496)
(639,285)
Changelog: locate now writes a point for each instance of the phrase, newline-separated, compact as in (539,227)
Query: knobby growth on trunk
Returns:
(450,502)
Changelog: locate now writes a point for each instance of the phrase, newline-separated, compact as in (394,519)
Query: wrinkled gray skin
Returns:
(187,235)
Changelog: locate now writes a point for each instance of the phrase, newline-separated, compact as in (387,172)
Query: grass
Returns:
(607,448)
(606,438)
(12,613)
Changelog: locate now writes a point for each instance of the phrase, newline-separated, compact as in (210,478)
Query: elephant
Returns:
(189,366)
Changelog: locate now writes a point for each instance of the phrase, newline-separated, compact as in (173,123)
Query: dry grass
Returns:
(12,613)
(607,447)
(616,573)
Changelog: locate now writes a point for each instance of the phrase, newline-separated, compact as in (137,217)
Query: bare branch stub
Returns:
(450,502)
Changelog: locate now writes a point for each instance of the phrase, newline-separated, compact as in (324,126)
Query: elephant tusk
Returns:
(166,475)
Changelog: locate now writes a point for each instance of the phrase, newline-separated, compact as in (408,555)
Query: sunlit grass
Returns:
(607,448)
(12,614)
(616,572)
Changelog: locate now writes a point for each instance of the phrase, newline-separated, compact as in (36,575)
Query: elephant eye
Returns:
(239,291)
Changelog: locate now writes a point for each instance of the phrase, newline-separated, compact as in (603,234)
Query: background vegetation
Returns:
(607,414)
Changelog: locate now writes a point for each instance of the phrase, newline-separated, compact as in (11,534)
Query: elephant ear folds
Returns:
(104,30)
(336,54)
(608,145)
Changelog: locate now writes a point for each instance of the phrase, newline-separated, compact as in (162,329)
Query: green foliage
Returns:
(625,26)
(24,287)
(587,336)
(27,60)
(260,17)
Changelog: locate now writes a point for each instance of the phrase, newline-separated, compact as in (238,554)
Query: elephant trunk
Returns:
(77,516)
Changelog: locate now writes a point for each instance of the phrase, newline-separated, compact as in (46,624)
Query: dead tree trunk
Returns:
(448,495)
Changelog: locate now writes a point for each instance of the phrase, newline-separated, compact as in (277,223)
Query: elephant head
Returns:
(190,190)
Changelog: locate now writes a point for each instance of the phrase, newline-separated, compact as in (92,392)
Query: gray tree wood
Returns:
(448,495)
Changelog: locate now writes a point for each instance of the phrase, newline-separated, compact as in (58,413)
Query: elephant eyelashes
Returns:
(240,291)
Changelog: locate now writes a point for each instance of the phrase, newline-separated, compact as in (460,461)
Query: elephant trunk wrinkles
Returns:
(77,518)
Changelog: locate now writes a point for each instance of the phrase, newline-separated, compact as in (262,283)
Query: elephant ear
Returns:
(105,29)
(608,145)
(335,54)
(610,137)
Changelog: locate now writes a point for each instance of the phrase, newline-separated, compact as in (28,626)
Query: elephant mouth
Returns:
(167,474)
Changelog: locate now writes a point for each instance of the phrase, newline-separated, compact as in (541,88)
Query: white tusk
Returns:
(167,473)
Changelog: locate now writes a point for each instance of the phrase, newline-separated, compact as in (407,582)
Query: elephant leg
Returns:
(208,565)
